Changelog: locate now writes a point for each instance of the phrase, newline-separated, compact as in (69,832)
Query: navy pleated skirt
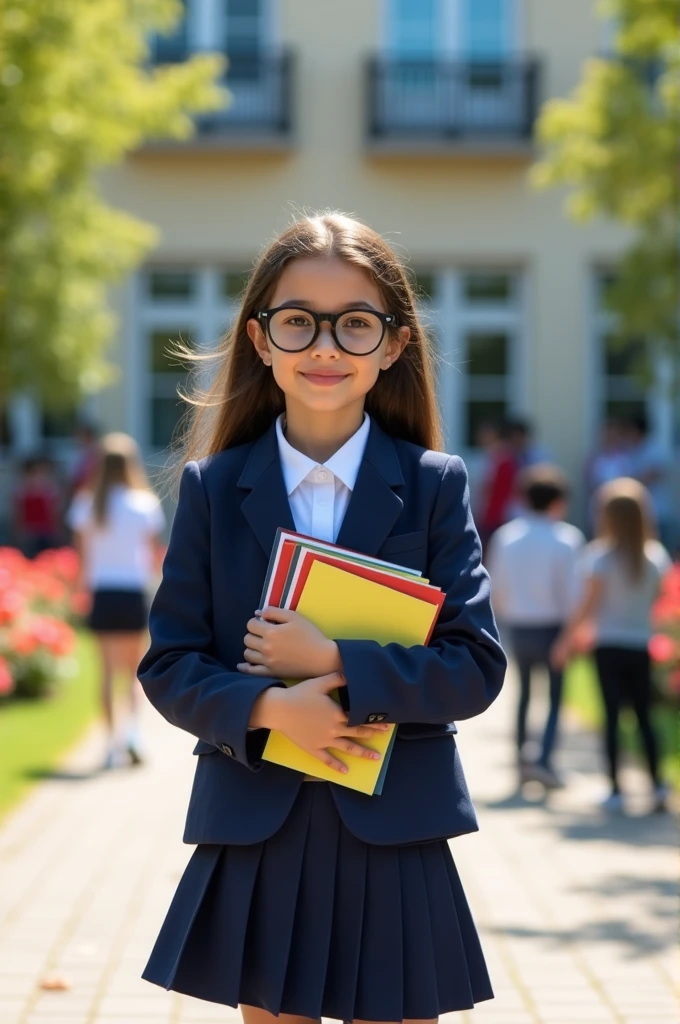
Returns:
(316,922)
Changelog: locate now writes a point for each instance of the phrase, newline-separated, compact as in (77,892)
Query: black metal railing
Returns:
(260,84)
(427,99)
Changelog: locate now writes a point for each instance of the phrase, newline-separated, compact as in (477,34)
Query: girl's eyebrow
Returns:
(359,304)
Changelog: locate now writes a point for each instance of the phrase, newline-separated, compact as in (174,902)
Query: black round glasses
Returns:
(355,331)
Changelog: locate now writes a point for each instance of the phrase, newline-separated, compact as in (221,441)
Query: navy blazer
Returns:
(410,506)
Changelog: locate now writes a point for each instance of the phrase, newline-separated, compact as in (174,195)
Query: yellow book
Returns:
(348,607)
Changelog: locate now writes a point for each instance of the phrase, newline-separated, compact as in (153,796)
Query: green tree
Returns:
(616,141)
(77,92)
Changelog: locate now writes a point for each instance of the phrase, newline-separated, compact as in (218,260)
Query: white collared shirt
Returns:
(319,493)
(533,567)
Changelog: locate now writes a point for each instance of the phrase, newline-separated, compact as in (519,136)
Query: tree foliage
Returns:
(77,92)
(616,141)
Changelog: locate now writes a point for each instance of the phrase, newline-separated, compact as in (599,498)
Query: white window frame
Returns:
(207,314)
(658,398)
(454,317)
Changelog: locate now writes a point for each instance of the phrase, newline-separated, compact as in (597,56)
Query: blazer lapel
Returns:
(372,511)
(374,507)
(266,507)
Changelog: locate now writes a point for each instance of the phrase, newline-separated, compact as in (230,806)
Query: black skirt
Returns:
(118,611)
(315,922)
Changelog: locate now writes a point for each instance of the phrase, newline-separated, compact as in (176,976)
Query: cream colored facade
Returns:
(461,206)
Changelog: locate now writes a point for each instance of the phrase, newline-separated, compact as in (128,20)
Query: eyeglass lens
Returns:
(358,331)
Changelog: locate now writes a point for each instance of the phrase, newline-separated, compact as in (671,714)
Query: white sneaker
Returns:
(613,803)
(546,776)
(114,758)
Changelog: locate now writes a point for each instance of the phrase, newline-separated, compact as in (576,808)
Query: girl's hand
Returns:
(285,644)
(560,652)
(308,715)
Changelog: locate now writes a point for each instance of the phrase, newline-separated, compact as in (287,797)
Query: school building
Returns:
(416,116)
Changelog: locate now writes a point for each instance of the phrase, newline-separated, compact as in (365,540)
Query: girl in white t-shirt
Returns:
(623,569)
(117,527)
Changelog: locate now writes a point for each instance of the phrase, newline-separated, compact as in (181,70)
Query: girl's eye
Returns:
(355,323)
(298,321)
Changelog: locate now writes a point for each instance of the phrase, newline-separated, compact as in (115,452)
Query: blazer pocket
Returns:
(203,747)
(422,731)
(404,542)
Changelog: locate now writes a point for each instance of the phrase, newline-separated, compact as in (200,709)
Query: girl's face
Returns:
(323,378)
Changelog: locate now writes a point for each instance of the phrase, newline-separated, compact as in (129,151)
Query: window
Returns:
(476,319)
(191,305)
(168,375)
(486,28)
(414,25)
(621,366)
(480,29)
(172,47)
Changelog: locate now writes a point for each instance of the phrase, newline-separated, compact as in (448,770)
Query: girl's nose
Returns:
(324,344)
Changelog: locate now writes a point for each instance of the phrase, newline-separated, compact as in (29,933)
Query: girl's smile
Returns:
(324,378)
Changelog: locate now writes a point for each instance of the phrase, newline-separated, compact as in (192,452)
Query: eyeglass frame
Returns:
(387,320)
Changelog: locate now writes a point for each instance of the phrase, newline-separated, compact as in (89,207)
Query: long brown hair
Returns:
(119,463)
(244,399)
(625,521)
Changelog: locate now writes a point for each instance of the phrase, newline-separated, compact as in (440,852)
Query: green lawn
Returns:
(582,695)
(34,735)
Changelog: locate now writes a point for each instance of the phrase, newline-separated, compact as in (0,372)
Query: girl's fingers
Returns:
(252,670)
(253,642)
(277,615)
(327,758)
(254,657)
(365,730)
(257,627)
(356,750)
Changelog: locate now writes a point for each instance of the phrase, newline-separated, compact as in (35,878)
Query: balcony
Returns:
(259,115)
(474,107)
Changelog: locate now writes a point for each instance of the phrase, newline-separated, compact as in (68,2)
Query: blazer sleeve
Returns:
(460,673)
(179,673)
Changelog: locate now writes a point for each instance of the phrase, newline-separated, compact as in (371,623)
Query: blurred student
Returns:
(623,569)
(650,464)
(117,523)
(527,450)
(498,479)
(87,440)
(532,564)
(37,506)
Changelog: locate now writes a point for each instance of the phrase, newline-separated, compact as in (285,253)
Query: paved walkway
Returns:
(576,912)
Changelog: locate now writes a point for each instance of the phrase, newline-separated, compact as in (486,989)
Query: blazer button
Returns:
(377,717)
(226,749)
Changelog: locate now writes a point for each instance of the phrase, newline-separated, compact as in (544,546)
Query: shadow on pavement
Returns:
(619,930)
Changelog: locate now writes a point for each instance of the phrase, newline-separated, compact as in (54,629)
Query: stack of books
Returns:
(348,596)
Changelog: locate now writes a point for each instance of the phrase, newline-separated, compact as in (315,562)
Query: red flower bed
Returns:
(39,604)
(664,646)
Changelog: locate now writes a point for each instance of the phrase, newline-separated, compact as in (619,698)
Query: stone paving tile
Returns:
(575,911)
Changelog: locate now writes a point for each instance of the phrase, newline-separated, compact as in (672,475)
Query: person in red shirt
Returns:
(498,481)
(37,506)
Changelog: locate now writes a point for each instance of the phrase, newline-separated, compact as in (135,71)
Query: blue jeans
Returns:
(531,647)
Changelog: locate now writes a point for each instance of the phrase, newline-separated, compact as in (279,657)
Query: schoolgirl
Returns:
(305,898)
(117,528)
(623,569)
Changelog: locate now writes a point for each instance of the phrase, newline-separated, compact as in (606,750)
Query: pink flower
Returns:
(6,681)
(661,648)
(12,603)
(665,610)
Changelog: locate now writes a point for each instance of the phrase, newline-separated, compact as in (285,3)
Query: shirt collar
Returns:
(344,464)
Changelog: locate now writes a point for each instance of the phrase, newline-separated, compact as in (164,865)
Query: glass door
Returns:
(492,87)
